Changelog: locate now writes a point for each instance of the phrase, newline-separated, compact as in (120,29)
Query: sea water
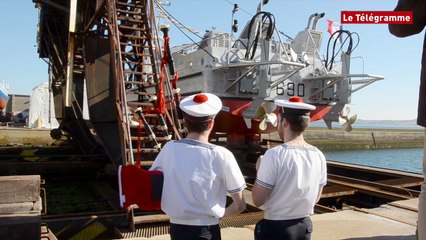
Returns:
(402,159)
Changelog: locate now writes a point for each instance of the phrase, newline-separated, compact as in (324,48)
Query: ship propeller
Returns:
(345,120)
(270,117)
(262,113)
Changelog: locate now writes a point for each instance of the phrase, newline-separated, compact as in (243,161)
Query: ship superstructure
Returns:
(250,71)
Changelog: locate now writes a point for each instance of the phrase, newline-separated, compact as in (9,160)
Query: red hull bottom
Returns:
(2,104)
(230,121)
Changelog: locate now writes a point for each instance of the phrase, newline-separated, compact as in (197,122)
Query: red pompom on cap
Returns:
(200,98)
(295,99)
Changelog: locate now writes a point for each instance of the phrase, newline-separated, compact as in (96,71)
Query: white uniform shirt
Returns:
(294,173)
(197,177)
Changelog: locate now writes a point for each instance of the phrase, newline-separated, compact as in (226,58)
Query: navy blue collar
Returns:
(196,143)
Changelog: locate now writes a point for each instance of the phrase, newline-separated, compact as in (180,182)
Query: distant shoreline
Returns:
(360,138)
(364,138)
(376,124)
(372,128)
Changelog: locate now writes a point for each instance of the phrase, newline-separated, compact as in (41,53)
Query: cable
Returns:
(330,61)
(174,21)
(239,7)
(265,16)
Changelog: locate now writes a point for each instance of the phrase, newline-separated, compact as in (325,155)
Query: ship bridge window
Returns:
(221,40)
(214,39)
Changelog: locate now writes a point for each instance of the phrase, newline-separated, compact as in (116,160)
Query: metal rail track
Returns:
(374,188)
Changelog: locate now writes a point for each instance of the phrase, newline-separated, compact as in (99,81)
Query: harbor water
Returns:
(404,159)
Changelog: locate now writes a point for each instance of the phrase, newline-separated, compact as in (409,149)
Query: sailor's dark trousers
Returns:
(294,229)
(190,232)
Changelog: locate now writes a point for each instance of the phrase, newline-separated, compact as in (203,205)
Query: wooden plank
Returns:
(151,218)
(24,207)
(16,189)
(402,182)
(337,190)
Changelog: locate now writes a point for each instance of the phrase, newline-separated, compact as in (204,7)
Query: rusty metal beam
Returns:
(99,11)
(331,191)
(403,182)
(372,190)
(324,209)
(375,185)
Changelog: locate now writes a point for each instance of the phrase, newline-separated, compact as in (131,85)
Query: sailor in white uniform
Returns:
(198,175)
(290,177)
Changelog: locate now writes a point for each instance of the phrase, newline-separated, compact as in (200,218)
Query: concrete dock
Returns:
(25,136)
(388,222)
(394,221)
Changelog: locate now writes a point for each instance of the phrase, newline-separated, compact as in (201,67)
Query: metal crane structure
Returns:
(103,56)
(115,85)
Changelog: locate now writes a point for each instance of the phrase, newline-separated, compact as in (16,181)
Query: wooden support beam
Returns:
(19,189)
(20,207)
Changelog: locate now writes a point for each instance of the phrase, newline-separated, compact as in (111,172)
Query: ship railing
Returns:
(366,80)
(331,80)
(243,63)
(282,51)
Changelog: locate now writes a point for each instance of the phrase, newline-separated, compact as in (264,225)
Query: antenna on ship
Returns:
(160,13)
(234,29)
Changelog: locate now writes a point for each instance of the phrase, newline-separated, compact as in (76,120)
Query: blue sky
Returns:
(397,59)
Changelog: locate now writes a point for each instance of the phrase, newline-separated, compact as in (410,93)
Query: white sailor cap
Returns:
(201,105)
(294,106)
